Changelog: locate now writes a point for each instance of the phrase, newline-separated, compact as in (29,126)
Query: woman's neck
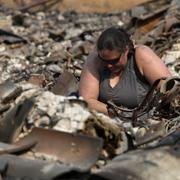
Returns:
(118,73)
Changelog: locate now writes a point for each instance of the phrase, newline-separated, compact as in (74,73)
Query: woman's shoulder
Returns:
(143,56)
(143,52)
(141,48)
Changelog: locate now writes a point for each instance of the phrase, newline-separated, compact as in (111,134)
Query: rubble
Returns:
(47,128)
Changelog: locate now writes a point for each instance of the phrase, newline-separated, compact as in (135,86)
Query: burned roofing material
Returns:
(47,131)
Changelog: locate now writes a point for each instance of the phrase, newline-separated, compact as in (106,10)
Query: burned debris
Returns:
(46,129)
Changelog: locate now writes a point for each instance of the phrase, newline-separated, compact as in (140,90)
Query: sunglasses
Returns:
(110,61)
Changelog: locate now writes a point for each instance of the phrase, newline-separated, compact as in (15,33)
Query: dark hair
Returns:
(115,38)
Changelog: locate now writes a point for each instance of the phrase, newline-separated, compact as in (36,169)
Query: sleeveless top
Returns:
(129,91)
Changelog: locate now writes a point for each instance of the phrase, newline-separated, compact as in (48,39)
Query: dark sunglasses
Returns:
(110,61)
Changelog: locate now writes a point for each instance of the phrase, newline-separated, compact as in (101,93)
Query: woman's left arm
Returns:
(150,65)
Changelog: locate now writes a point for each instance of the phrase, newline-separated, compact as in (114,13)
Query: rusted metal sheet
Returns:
(76,150)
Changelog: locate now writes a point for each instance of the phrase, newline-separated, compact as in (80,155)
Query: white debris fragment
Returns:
(59,111)
(172,58)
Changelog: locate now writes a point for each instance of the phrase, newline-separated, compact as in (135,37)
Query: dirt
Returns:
(100,5)
(82,5)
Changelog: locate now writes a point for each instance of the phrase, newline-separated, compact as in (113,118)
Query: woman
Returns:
(118,71)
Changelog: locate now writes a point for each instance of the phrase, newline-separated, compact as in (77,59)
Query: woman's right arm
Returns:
(89,84)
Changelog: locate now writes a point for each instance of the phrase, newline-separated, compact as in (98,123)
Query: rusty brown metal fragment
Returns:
(73,149)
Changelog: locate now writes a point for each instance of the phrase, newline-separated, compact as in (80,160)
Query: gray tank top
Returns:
(129,91)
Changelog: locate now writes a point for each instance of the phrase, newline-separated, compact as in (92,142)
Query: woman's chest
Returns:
(121,90)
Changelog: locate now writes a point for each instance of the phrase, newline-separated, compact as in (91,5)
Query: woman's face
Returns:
(113,60)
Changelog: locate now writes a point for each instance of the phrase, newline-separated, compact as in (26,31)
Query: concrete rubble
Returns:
(48,131)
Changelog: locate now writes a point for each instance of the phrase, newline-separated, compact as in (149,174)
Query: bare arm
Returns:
(89,84)
(150,65)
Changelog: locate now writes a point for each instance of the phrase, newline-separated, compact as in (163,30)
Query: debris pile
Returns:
(47,131)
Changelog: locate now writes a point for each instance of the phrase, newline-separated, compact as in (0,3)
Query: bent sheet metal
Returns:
(73,149)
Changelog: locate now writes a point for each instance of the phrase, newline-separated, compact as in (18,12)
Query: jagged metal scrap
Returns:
(13,149)
(145,19)
(13,120)
(75,150)
(20,168)
(170,32)
(157,133)
(66,84)
(10,38)
(12,114)
(161,30)
(9,91)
